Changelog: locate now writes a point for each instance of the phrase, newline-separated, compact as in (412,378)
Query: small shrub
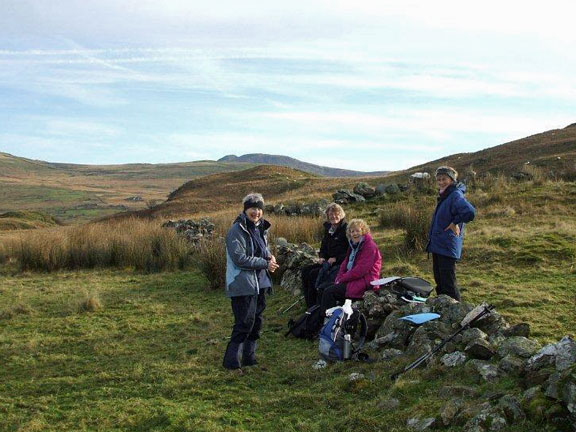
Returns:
(392,216)
(91,303)
(417,224)
(413,218)
(210,258)
(537,174)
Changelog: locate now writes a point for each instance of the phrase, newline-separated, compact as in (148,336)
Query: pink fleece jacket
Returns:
(366,269)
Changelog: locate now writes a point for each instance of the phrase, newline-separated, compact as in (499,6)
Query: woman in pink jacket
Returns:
(360,267)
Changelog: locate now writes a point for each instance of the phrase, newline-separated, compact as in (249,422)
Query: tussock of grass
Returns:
(90,303)
(11,312)
(414,218)
(296,229)
(134,243)
(210,259)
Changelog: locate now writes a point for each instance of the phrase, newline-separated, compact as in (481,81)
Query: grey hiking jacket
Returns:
(242,266)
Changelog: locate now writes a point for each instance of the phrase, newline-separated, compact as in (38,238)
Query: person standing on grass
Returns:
(360,267)
(248,267)
(447,230)
(333,250)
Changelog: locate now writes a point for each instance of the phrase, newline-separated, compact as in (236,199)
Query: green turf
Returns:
(149,359)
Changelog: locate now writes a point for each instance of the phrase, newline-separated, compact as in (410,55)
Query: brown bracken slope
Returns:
(554,150)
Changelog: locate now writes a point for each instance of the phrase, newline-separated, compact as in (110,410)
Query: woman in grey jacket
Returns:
(248,266)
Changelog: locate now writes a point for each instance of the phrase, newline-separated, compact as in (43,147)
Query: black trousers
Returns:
(331,296)
(309,276)
(248,317)
(445,275)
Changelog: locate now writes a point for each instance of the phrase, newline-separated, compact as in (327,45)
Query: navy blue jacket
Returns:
(451,208)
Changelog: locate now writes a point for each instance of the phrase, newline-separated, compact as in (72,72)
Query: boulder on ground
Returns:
(480,349)
(519,346)
(345,196)
(365,190)
(456,358)
(392,189)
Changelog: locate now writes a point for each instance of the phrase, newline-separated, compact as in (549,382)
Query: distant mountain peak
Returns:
(228,158)
(290,162)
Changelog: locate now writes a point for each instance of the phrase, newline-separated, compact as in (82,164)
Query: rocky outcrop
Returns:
(292,259)
(315,208)
(345,196)
(489,351)
(194,231)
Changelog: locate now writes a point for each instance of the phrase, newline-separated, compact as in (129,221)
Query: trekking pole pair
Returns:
(474,315)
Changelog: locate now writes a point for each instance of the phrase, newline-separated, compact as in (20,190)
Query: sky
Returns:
(362,85)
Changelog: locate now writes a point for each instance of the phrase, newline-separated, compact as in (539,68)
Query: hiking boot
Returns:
(232,356)
(249,353)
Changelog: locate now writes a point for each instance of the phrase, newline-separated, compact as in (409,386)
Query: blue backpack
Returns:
(331,345)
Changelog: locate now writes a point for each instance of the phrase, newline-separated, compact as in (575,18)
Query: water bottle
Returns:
(347,347)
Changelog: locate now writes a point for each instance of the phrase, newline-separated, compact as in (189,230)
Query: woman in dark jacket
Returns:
(248,263)
(447,230)
(332,252)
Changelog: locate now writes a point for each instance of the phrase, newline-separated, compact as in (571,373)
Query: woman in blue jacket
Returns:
(447,230)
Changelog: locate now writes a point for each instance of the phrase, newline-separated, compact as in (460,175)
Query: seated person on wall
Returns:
(332,252)
(360,267)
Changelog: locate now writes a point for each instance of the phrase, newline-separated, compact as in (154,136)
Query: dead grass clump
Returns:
(131,243)
(504,211)
(537,174)
(91,303)
(296,229)
(19,309)
(210,258)
(392,216)
(490,182)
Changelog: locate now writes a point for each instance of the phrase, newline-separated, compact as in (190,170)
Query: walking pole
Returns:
(293,304)
(474,315)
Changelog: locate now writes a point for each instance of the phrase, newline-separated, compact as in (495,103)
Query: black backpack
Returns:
(409,287)
(307,325)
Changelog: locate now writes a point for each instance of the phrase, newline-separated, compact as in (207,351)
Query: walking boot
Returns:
(249,353)
(232,356)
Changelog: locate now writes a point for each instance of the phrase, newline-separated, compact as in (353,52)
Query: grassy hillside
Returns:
(26,220)
(225,191)
(554,151)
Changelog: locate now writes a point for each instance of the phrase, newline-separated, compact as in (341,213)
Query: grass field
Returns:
(149,360)
(126,351)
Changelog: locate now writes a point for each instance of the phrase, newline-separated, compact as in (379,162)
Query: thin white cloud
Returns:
(80,128)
